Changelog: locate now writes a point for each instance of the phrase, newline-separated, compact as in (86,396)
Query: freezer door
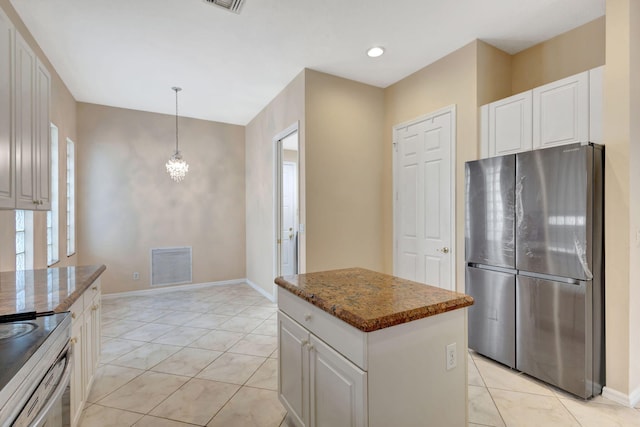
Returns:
(492,315)
(489,214)
(554,211)
(554,333)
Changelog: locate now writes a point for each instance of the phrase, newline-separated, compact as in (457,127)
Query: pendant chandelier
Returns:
(176,166)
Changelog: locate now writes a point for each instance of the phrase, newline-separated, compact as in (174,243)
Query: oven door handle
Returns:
(60,388)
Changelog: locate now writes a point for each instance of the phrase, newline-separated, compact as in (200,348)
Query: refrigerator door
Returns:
(490,213)
(492,316)
(554,211)
(553,327)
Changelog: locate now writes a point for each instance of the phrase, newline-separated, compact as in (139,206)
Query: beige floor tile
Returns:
(147,315)
(119,327)
(500,377)
(249,298)
(149,421)
(268,327)
(258,312)
(146,356)
(230,309)
(177,318)
(255,345)
(240,324)
(188,361)
(532,410)
(591,414)
(147,332)
(101,416)
(266,376)
(217,340)
(209,321)
(116,347)
(196,402)
(473,376)
(232,368)
(274,355)
(250,407)
(144,392)
(181,335)
(109,378)
(482,410)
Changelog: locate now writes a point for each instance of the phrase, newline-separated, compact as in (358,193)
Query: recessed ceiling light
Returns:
(375,51)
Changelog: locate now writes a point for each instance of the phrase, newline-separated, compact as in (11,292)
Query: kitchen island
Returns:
(360,348)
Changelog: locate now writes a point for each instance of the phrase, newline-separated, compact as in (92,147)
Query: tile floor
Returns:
(207,357)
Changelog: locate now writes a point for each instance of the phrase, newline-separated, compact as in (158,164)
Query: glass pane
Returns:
(49,254)
(19,220)
(20,261)
(49,219)
(19,243)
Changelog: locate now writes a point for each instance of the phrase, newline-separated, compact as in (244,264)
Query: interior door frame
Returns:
(452,152)
(277,193)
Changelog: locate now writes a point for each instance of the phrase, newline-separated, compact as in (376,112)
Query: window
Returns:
(71,198)
(24,240)
(53,223)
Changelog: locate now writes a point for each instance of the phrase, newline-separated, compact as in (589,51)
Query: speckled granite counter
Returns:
(370,301)
(46,290)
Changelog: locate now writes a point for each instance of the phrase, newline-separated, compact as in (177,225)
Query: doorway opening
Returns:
(287,202)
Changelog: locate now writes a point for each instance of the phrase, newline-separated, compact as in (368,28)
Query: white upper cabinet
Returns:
(43,137)
(561,112)
(7,147)
(510,125)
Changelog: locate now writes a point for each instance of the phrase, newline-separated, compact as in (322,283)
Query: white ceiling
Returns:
(129,53)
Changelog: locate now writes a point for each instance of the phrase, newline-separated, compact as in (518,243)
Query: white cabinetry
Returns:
(510,125)
(7,146)
(332,374)
(85,337)
(561,112)
(25,141)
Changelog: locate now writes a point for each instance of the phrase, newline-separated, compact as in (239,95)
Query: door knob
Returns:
(445,250)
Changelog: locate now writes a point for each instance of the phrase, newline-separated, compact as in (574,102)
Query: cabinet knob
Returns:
(95,288)
(304,342)
(311,347)
(94,307)
(73,314)
(307,317)
(73,340)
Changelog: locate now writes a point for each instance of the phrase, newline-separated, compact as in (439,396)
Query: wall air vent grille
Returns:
(170,266)
(231,5)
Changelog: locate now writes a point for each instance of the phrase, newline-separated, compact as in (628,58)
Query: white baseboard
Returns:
(270,297)
(165,289)
(630,400)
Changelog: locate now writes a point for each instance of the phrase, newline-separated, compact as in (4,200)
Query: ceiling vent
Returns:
(231,5)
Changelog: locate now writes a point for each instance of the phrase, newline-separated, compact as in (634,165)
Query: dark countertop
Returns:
(46,290)
(370,301)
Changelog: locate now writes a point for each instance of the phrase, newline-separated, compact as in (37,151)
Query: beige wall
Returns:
(283,111)
(622,186)
(494,73)
(63,115)
(344,156)
(451,80)
(128,204)
(570,53)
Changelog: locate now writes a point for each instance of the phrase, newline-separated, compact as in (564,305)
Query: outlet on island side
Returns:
(452,357)
(136,275)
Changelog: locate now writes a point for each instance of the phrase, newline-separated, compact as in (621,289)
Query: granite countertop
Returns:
(370,301)
(46,290)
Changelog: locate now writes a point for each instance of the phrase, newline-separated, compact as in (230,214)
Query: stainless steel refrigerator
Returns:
(535,263)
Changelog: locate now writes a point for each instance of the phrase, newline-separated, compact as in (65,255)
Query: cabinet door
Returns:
(561,112)
(77,381)
(43,138)
(7,174)
(95,334)
(510,125)
(25,69)
(338,389)
(87,353)
(293,369)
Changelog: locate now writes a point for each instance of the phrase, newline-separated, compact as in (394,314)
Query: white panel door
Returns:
(7,174)
(338,389)
(423,208)
(561,112)
(289,208)
(510,125)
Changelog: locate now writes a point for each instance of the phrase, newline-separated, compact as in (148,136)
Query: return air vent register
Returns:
(231,5)
(170,266)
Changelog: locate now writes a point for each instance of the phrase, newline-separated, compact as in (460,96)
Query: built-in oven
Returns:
(35,369)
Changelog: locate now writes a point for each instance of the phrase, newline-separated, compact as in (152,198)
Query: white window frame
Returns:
(71,198)
(27,232)
(53,215)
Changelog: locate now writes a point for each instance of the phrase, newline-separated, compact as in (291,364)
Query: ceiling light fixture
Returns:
(176,166)
(375,52)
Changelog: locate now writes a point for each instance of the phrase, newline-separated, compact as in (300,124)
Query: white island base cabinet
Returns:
(396,376)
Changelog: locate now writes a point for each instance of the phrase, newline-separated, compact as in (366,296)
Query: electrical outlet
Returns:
(452,357)
(136,275)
